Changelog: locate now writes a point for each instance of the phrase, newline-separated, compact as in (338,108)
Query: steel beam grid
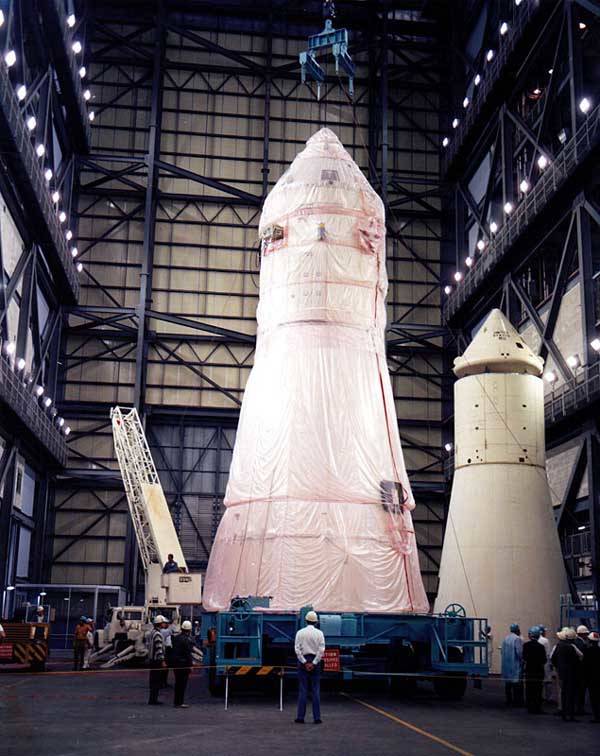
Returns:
(15,393)
(19,152)
(547,189)
(59,40)
(493,78)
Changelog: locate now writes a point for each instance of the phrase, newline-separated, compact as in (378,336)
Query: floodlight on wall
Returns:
(448,289)
(9,348)
(10,58)
(47,402)
(448,447)
(508,208)
(61,422)
(82,72)
(573,361)
(480,245)
(39,390)
(22,93)
(62,216)
(542,162)
(67,430)
(595,344)
(489,56)
(69,235)
(477,80)
(550,376)
(562,136)
(458,276)
(445,142)
(71,20)
(493,227)
(503,28)
(91,116)
(55,197)
(582,26)
(79,267)
(48,174)
(1,17)
(466,102)
(468,261)
(21,364)
(76,47)
(524,186)
(40,150)
(31,123)
(74,252)
(584,105)
(87,94)
(455,123)
(10,587)
(518,2)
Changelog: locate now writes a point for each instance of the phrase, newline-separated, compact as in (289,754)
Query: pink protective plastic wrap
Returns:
(313,514)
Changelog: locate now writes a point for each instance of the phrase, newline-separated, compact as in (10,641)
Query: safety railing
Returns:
(574,153)
(15,393)
(490,76)
(575,395)
(15,141)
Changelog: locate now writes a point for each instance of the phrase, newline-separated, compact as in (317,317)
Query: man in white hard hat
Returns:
(309,647)
(582,643)
(156,659)
(181,660)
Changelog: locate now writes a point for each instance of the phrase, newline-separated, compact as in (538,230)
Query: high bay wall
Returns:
(198,111)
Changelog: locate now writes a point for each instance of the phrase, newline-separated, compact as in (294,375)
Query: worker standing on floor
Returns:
(156,658)
(512,657)
(80,643)
(309,647)
(547,687)
(181,660)
(534,662)
(591,664)
(582,643)
(566,658)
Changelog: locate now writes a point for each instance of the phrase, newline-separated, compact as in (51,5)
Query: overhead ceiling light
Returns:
(91,115)
(489,56)
(448,289)
(448,447)
(582,26)
(581,527)
(573,361)
(584,105)
(22,93)
(542,162)
(503,28)
(10,58)
(62,216)
(87,94)
(10,587)
(69,235)
(48,174)
(76,47)
(550,71)
(537,91)
(518,2)
(524,186)
(40,150)
(79,267)
(82,72)
(455,123)
(55,197)
(493,227)
(477,80)
(31,123)
(550,376)
(468,261)
(595,344)
(71,20)
(9,348)
(466,102)
(481,245)
(508,207)
(47,402)
(21,364)
(74,252)
(458,276)
(39,390)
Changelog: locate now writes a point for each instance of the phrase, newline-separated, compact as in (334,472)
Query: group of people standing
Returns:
(83,643)
(169,651)
(574,662)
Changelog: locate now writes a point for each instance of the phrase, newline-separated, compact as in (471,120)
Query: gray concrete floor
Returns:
(61,714)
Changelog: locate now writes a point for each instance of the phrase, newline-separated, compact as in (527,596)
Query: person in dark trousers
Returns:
(582,643)
(80,643)
(566,661)
(156,659)
(512,657)
(310,647)
(534,662)
(182,659)
(591,664)
(170,565)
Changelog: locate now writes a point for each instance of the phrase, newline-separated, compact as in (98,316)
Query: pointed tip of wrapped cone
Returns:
(324,135)
(498,348)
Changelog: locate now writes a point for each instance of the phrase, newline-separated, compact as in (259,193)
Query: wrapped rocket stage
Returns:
(318,501)
(501,557)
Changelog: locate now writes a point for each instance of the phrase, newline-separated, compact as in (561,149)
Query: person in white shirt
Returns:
(548,667)
(309,647)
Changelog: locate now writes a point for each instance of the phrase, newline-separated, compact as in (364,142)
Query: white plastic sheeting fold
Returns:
(310,515)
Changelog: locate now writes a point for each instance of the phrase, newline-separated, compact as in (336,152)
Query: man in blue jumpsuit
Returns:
(512,660)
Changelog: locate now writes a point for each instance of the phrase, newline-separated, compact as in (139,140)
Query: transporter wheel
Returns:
(453,685)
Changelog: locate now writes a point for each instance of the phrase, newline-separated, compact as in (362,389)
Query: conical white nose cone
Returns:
(501,557)
(310,510)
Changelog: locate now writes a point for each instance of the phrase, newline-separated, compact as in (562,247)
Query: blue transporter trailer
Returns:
(399,649)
